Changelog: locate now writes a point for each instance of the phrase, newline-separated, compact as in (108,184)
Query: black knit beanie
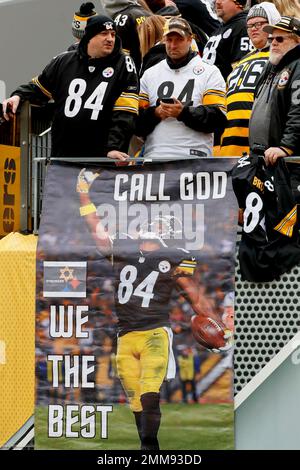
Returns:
(97,24)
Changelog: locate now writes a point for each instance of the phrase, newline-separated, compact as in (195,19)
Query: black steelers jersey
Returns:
(127,22)
(270,237)
(95,100)
(228,44)
(144,281)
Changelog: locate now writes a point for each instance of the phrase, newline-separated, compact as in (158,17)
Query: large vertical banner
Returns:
(135,282)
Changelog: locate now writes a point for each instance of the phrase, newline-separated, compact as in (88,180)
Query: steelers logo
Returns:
(108,25)
(198,69)
(284,78)
(108,72)
(164,266)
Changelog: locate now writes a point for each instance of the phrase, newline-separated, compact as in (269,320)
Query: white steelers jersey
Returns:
(194,84)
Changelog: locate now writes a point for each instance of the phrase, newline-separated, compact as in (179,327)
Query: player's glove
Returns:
(228,336)
(85,180)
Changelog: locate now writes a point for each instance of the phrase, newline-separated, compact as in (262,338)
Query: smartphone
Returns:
(167,100)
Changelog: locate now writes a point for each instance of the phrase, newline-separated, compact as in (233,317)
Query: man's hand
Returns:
(166,110)
(120,156)
(272,154)
(172,110)
(241,217)
(228,336)
(170,3)
(85,180)
(10,106)
(160,113)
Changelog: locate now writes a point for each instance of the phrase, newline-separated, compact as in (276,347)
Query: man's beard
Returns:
(275,57)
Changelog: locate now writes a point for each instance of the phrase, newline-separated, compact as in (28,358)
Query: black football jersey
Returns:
(228,44)
(127,22)
(270,236)
(144,281)
(91,98)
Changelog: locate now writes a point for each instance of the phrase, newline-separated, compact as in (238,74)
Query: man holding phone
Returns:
(182,99)
(165,110)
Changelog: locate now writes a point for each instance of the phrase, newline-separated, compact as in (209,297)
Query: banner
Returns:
(131,261)
(9,189)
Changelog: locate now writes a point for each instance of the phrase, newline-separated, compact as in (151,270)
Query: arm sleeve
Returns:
(290,139)
(125,112)
(210,116)
(147,120)
(40,89)
(185,268)
(239,44)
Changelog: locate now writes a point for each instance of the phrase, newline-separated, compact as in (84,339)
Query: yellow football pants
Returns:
(142,360)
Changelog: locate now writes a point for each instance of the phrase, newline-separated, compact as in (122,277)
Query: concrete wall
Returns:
(31,33)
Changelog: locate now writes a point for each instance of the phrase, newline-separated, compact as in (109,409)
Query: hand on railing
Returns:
(10,107)
(273,153)
(120,156)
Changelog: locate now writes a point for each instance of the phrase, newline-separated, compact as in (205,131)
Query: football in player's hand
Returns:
(208,332)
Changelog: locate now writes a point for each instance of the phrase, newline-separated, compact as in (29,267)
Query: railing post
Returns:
(25,177)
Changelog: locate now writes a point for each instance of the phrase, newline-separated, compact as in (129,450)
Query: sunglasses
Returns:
(279,39)
(256,25)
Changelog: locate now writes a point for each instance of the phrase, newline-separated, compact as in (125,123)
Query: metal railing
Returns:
(30,130)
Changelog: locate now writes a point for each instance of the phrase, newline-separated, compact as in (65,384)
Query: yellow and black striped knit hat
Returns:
(80,18)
